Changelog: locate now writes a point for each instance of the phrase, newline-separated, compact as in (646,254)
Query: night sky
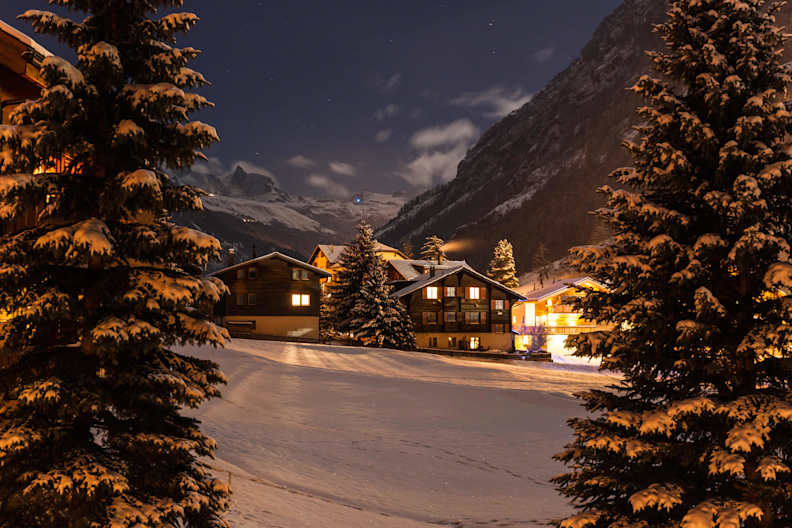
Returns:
(339,97)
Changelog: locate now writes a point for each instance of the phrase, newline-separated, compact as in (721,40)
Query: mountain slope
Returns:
(244,209)
(531,177)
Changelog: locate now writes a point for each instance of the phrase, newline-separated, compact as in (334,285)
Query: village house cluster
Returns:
(275,296)
(452,305)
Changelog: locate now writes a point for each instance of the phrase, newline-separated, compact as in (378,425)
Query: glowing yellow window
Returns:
(431,292)
(474,293)
(301,300)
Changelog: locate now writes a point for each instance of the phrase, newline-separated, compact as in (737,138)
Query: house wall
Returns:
(487,340)
(287,326)
(273,312)
(19,79)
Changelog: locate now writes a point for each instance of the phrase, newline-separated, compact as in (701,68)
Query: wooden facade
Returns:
(20,79)
(458,308)
(272,296)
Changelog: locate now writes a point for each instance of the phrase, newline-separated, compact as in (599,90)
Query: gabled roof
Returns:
(281,256)
(414,269)
(554,288)
(24,39)
(333,252)
(440,274)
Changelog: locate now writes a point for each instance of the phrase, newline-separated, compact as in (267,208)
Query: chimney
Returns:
(231,258)
(254,251)
(432,270)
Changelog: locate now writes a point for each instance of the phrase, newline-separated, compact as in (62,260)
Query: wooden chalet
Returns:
(20,61)
(453,306)
(550,311)
(328,257)
(274,297)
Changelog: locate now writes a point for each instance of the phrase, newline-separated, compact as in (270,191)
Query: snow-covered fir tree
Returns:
(433,249)
(98,285)
(377,318)
(502,267)
(697,435)
(326,329)
(356,263)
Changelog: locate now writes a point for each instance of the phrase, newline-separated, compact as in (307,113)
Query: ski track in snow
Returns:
(344,437)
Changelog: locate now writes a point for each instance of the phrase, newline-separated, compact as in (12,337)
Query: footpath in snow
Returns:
(324,436)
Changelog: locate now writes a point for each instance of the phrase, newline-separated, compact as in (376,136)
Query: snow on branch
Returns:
(61,71)
(658,496)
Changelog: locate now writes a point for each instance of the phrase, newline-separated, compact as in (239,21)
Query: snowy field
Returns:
(332,437)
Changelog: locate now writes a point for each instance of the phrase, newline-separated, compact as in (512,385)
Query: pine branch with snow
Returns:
(699,274)
(98,284)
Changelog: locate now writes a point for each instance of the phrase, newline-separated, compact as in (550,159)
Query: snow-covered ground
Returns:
(323,436)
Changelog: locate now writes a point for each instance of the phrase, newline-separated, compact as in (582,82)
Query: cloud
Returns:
(392,82)
(301,162)
(430,168)
(383,135)
(500,101)
(389,111)
(211,166)
(330,187)
(543,55)
(344,169)
(461,130)
(439,151)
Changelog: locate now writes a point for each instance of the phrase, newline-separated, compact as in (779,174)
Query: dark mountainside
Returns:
(532,176)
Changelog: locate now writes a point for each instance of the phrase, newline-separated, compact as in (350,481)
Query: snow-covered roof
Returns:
(334,252)
(554,288)
(24,39)
(275,254)
(427,279)
(413,269)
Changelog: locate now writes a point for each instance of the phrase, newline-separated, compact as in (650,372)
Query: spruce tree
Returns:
(697,434)
(356,262)
(433,249)
(502,267)
(541,264)
(407,249)
(377,318)
(98,285)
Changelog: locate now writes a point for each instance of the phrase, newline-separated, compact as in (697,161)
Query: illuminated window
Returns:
(474,293)
(301,300)
(474,343)
(450,291)
(498,304)
(431,292)
(251,299)
(452,342)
